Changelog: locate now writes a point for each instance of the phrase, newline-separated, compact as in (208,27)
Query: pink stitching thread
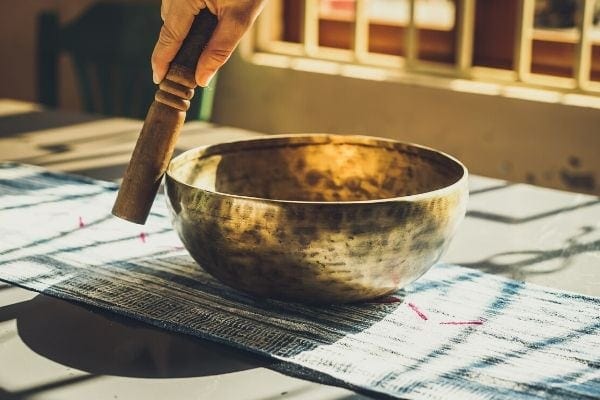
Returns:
(419,312)
(143,237)
(81,223)
(423,316)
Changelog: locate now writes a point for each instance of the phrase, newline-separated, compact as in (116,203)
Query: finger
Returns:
(164,9)
(224,40)
(175,28)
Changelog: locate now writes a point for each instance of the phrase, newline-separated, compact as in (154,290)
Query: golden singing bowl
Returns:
(316,218)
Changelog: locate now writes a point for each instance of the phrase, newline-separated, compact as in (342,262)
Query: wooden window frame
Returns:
(553,52)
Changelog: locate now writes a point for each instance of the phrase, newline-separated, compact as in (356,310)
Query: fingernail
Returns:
(205,78)
(155,78)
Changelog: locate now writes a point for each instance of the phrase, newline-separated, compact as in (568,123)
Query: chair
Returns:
(110,47)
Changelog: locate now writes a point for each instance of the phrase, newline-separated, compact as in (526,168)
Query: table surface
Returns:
(55,349)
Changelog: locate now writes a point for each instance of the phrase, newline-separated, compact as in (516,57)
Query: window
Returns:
(553,43)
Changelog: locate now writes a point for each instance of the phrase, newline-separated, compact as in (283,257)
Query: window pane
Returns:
(553,57)
(292,20)
(337,9)
(555,14)
(436,23)
(495,33)
(438,14)
(595,72)
(555,36)
(435,20)
(336,23)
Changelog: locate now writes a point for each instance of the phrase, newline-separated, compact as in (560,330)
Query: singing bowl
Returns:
(316,218)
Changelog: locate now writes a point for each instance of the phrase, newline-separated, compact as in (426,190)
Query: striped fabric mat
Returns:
(455,333)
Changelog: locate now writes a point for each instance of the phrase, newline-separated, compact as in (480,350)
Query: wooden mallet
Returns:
(160,132)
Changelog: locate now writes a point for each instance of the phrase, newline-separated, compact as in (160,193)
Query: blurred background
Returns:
(510,87)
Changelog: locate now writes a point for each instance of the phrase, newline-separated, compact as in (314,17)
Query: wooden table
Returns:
(54,349)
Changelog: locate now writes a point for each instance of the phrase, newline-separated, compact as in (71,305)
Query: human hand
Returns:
(235,18)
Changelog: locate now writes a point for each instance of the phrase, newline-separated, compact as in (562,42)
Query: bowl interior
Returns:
(317,168)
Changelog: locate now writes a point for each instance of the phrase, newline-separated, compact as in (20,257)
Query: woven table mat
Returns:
(454,333)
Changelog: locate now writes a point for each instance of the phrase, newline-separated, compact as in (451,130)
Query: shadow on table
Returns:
(13,125)
(524,262)
(509,220)
(102,343)
(112,172)
(28,392)
(512,220)
(521,259)
(66,151)
(106,344)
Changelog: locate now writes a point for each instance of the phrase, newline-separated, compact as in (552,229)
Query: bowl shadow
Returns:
(104,343)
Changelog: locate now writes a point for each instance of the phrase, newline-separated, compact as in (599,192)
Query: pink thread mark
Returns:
(143,237)
(478,322)
(419,312)
(81,223)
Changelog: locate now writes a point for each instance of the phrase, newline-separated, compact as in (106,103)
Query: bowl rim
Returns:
(266,138)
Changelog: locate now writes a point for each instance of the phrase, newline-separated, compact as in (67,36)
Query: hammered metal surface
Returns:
(316,218)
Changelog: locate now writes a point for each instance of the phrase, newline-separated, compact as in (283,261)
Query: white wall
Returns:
(550,144)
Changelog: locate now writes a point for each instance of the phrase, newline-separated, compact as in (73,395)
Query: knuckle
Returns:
(240,18)
(194,5)
(167,36)
(166,41)
(218,56)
